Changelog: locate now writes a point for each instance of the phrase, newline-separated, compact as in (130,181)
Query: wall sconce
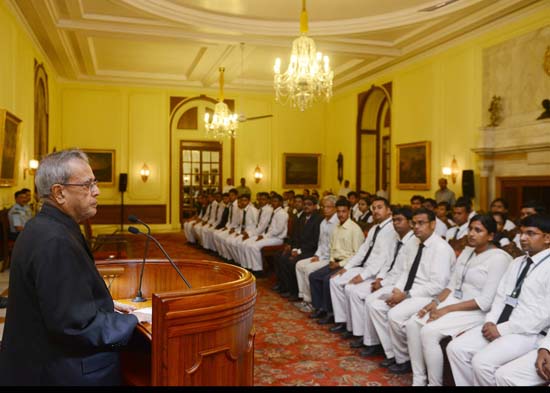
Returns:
(452,170)
(31,169)
(144,172)
(258,175)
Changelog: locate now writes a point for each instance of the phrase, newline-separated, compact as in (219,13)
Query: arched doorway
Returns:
(374,139)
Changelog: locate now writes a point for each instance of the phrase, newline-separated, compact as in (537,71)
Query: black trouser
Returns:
(319,282)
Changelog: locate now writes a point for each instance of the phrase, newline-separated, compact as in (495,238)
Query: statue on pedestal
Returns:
(496,111)
(546,113)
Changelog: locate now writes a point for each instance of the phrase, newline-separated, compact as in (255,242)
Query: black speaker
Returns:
(468,183)
(122,182)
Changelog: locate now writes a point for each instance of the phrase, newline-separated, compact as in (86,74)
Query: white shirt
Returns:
(279,224)
(344,191)
(250,219)
(214,210)
(532,313)
(409,247)
(218,214)
(440,227)
(478,275)
(325,233)
(234,219)
(264,214)
(355,212)
(434,269)
(509,225)
(462,231)
(381,251)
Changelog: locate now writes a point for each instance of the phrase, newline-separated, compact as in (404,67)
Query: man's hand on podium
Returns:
(123,308)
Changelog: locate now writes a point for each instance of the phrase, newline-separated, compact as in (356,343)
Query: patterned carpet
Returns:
(290,348)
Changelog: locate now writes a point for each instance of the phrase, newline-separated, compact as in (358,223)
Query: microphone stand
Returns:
(139,296)
(136,231)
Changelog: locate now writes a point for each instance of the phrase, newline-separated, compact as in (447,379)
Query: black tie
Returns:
(259,217)
(230,212)
(269,223)
(414,268)
(397,248)
(371,245)
(456,232)
(507,311)
(243,224)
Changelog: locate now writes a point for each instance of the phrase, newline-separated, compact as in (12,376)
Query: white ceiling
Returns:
(182,43)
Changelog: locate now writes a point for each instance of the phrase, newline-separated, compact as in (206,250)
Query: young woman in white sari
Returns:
(460,306)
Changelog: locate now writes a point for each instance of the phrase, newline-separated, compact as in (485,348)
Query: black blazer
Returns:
(61,328)
(309,235)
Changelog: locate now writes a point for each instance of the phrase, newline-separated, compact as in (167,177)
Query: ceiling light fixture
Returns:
(223,122)
(308,77)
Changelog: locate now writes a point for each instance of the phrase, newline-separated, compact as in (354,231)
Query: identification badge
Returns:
(511,301)
(458,294)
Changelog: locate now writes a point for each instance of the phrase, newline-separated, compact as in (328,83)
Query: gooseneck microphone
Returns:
(139,296)
(136,231)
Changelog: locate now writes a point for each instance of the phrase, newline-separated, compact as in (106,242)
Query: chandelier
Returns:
(308,78)
(223,123)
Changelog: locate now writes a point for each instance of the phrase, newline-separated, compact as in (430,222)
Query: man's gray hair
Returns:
(54,169)
(330,198)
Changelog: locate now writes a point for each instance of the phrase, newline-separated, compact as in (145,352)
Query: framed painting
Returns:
(414,164)
(10,127)
(301,170)
(103,165)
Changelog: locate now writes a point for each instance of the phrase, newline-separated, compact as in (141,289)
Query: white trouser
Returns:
(521,372)
(474,360)
(370,337)
(423,340)
(214,238)
(219,241)
(340,304)
(233,243)
(390,325)
(207,237)
(304,267)
(253,251)
(198,231)
(356,295)
(188,230)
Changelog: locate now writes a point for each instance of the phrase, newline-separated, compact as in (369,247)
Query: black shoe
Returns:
(285,294)
(400,368)
(294,298)
(372,350)
(347,334)
(317,314)
(276,287)
(387,362)
(3,302)
(357,343)
(339,328)
(326,320)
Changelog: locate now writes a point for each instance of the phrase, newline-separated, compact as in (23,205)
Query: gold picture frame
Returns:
(414,166)
(102,163)
(301,170)
(10,134)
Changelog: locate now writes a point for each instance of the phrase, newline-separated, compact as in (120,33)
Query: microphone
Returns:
(139,296)
(136,231)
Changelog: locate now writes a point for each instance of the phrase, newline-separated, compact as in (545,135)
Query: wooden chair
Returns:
(6,244)
(102,245)
(448,379)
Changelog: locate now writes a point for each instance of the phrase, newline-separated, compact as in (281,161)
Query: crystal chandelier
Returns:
(308,77)
(223,122)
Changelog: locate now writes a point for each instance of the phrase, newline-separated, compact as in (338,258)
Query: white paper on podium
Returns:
(144,314)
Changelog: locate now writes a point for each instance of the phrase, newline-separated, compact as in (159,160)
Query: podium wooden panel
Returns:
(202,336)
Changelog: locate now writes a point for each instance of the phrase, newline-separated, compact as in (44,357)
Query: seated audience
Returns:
(443,212)
(461,305)
(416,202)
(518,313)
(440,227)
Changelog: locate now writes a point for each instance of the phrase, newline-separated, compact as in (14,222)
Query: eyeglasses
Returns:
(531,233)
(418,223)
(90,184)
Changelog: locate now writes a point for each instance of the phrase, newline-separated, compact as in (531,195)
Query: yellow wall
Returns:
(436,98)
(17,55)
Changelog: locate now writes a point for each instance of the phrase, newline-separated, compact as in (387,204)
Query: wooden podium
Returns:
(202,336)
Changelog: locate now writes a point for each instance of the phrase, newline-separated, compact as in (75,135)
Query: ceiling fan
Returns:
(243,118)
